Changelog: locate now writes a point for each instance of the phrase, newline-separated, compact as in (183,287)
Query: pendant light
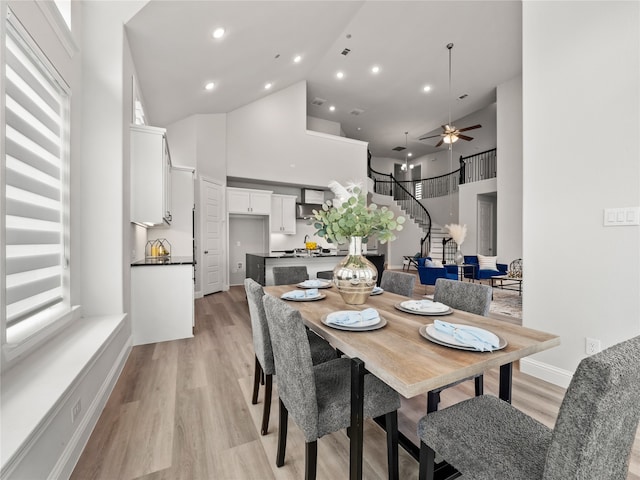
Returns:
(405,166)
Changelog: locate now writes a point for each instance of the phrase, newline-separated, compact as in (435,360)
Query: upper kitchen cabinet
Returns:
(248,201)
(150,176)
(283,214)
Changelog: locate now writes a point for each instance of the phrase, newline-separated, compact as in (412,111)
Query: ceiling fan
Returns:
(450,133)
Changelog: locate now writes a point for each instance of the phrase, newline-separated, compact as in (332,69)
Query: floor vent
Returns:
(318,101)
(346,51)
(356,111)
(398,149)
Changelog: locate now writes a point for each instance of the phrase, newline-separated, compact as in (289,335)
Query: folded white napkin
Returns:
(310,293)
(425,306)
(377,290)
(477,338)
(353,318)
(314,282)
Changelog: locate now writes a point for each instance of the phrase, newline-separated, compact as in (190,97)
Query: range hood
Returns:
(305,210)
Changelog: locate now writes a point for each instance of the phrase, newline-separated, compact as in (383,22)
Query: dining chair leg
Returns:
(479,380)
(310,460)
(427,462)
(256,382)
(357,413)
(391,425)
(282,434)
(266,412)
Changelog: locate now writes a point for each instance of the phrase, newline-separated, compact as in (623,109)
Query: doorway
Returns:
(487,228)
(212,228)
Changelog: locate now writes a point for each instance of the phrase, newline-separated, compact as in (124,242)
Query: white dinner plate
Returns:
(319,296)
(373,324)
(430,333)
(444,310)
(315,284)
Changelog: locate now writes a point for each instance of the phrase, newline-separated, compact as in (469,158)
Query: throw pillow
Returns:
(438,263)
(487,263)
(428,263)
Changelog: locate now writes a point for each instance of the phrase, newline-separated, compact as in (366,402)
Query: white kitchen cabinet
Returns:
(248,201)
(150,176)
(162,303)
(283,214)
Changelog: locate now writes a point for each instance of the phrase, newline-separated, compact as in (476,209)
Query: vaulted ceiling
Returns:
(176,55)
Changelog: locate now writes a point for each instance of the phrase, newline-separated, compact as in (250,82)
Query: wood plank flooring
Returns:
(182,410)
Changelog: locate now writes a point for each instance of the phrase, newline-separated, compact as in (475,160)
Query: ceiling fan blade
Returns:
(464,137)
(469,128)
(430,136)
(439,143)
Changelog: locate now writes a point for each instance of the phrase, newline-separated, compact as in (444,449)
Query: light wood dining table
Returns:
(406,361)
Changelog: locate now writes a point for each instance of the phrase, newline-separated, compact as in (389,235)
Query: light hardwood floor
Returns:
(182,410)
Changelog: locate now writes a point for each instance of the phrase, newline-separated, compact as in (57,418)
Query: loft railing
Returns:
(386,184)
(473,168)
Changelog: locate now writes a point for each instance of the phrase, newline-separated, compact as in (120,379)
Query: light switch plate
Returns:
(614,217)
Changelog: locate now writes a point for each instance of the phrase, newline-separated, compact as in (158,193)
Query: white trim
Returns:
(546,372)
(78,441)
(336,138)
(59,26)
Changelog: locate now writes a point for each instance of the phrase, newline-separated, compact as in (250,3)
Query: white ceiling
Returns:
(175,55)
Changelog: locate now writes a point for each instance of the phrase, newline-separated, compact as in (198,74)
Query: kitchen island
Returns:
(260,265)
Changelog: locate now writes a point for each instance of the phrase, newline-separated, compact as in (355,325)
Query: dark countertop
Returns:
(163,261)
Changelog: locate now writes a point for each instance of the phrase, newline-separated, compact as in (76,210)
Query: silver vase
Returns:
(355,276)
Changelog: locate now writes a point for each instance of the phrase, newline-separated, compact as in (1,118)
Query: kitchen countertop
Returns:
(163,261)
(304,255)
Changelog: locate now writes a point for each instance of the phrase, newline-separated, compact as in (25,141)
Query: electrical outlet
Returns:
(239,265)
(591,346)
(75,411)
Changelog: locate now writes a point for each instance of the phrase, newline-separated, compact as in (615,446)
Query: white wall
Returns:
(581,123)
(509,159)
(211,146)
(182,140)
(321,125)
(268,140)
(468,216)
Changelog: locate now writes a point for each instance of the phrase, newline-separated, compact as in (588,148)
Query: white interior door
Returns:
(211,200)
(486,227)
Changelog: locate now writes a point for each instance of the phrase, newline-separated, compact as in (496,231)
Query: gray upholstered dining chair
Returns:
(487,438)
(469,297)
(398,282)
(319,397)
(290,274)
(321,350)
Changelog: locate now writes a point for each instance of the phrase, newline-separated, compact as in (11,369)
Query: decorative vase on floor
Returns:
(355,276)
(458,258)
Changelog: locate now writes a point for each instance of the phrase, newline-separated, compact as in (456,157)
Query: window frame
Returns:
(39,327)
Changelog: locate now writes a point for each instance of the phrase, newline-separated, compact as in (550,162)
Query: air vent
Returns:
(318,101)
(346,51)
(356,111)
(463,96)
(398,149)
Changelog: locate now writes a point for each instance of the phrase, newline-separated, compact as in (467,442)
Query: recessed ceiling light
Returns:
(332,108)
(218,32)
(267,86)
(375,69)
(209,86)
(297,59)
(359,128)
(410,154)
(339,75)
(426,88)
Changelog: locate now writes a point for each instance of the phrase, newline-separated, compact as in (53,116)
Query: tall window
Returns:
(36,219)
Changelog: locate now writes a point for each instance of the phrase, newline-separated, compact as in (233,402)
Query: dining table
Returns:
(406,359)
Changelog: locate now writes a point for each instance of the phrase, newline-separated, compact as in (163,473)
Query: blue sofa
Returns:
(477,274)
(429,275)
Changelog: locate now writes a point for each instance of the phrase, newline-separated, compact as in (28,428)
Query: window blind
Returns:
(35,107)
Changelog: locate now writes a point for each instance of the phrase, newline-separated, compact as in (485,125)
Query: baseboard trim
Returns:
(546,372)
(71,454)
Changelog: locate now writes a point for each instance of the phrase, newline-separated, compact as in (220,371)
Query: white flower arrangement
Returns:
(457,232)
